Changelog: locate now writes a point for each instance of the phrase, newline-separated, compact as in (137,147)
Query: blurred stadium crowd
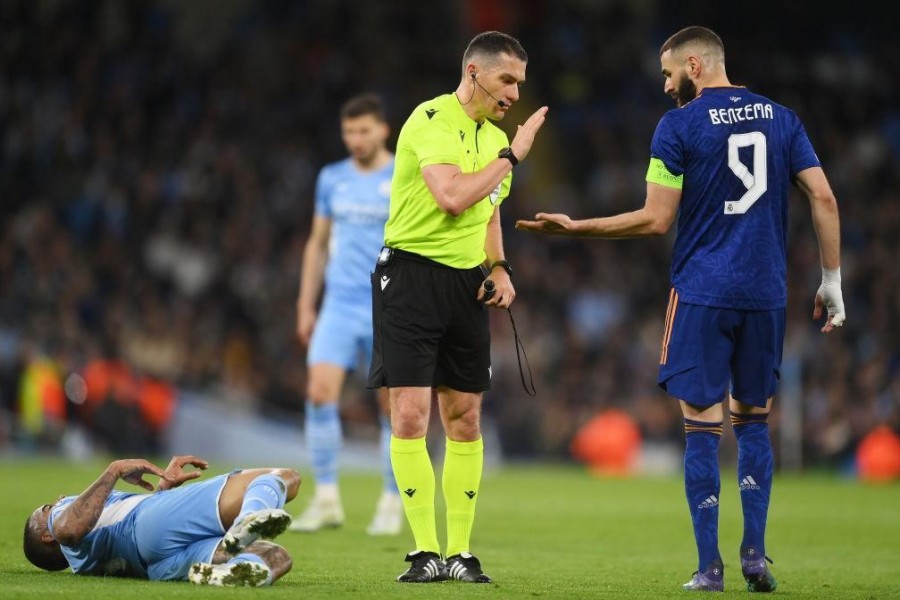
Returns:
(157,161)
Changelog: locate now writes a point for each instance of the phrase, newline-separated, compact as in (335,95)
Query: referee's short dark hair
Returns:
(491,44)
(364,104)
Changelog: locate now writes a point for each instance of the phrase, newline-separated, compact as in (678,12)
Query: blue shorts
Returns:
(176,528)
(343,334)
(705,349)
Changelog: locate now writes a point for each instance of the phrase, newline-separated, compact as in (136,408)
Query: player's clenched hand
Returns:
(133,470)
(552,223)
(176,473)
(830,298)
(524,138)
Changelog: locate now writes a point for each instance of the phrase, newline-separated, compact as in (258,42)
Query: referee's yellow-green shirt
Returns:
(440,132)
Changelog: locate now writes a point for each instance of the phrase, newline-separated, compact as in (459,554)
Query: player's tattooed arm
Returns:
(80,517)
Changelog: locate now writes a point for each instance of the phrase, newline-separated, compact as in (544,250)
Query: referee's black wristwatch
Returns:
(501,263)
(507,153)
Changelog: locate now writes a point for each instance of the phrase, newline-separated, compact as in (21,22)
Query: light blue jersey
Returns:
(110,547)
(155,536)
(357,204)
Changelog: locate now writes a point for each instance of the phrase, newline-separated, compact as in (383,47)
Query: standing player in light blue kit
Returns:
(207,532)
(722,163)
(352,203)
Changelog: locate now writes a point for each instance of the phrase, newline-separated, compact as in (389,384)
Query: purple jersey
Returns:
(738,152)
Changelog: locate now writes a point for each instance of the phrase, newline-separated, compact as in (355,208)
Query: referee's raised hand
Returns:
(521,144)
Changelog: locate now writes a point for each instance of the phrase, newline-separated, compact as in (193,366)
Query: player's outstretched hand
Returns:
(830,298)
(524,138)
(550,223)
(176,473)
(133,470)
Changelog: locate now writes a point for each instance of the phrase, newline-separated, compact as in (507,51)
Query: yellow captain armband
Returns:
(659,174)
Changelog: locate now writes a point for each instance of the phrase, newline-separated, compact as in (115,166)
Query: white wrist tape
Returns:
(831,275)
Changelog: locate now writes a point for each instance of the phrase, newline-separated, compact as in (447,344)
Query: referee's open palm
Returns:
(525,133)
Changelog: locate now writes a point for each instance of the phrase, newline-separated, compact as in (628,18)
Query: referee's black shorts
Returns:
(429,329)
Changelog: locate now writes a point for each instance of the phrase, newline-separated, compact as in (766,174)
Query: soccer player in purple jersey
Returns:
(721,162)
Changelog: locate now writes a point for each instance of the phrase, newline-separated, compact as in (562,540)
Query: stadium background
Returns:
(157,161)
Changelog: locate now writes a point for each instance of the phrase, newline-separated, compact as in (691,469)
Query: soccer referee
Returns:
(452,171)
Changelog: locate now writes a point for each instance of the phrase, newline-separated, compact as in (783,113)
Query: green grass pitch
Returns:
(541,532)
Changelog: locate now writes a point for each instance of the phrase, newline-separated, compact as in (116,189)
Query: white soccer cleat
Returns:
(320,514)
(388,519)
(267,523)
(244,574)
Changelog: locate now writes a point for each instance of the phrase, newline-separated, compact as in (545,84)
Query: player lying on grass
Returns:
(207,532)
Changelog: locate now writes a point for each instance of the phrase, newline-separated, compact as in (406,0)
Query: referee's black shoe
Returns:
(426,567)
(465,567)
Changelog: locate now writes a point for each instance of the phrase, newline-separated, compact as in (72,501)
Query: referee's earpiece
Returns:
(500,103)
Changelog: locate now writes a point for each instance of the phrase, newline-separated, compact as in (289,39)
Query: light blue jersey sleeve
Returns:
(110,548)
(156,536)
(323,192)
